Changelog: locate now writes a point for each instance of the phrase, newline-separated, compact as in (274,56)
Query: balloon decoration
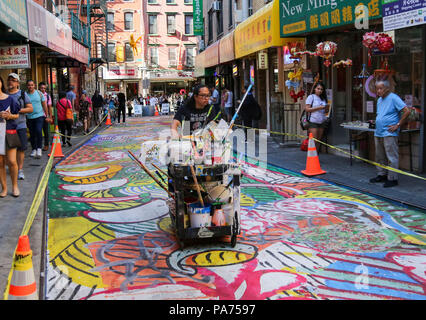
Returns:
(296,96)
(133,44)
(326,50)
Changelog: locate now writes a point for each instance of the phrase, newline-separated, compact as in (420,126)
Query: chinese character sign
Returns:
(15,57)
(300,16)
(198,17)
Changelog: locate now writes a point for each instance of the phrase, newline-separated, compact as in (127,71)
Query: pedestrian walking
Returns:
(215,98)
(228,104)
(20,97)
(317,107)
(46,125)
(250,111)
(111,107)
(84,112)
(97,102)
(388,124)
(121,106)
(64,106)
(9,112)
(71,96)
(36,119)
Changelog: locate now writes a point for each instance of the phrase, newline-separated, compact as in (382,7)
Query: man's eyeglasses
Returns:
(205,96)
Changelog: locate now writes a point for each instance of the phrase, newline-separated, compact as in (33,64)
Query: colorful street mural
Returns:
(110,237)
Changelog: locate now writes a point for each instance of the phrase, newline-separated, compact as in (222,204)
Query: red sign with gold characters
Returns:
(15,57)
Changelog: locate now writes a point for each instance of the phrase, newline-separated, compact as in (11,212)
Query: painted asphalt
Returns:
(109,235)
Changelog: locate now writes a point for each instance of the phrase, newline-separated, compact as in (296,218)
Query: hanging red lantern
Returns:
(369,40)
(326,50)
(384,42)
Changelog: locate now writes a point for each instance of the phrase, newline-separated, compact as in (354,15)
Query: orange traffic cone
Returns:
(313,167)
(156,112)
(108,121)
(58,150)
(23,285)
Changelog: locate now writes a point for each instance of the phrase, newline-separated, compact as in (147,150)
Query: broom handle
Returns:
(197,185)
(133,157)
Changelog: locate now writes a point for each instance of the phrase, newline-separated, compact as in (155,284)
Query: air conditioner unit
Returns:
(239,16)
(216,6)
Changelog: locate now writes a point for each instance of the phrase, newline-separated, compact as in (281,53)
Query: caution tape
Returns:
(34,208)
(343,151)
(85,134)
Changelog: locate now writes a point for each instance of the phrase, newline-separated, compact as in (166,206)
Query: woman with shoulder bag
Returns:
(9,112)
(65,118)
(316,106)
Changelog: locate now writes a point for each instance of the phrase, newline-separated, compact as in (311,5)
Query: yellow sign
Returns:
(260,31)
(119,54)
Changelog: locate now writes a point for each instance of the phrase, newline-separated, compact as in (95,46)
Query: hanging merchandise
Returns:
(326,50)
(133,44)
(295,77)
(370,87)
(343,63)
(384,72)
(369,40)
(384,42)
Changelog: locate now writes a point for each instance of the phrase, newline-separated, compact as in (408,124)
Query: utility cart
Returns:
(220,187)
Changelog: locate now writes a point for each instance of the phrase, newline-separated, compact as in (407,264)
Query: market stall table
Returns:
(365,129)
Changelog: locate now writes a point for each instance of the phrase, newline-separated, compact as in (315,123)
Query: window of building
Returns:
(171,23)
(188,24)
(188,1)
(230,18)
(152,24)
(128,52)
(219,18)
(250,7)
(152,2)
(153,56)
(110,21)
(128,21)
(190,56)
(172,56)
(210,26)
(111,52)
(171,1)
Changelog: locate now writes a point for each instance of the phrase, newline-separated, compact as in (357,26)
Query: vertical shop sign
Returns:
(252,74)
(15,57)
(14,15)
(399,14)
(301,16)
(262,60)
(198,17)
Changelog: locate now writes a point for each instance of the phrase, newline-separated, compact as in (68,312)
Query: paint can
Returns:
(188,201)
(228,210)
(199,215)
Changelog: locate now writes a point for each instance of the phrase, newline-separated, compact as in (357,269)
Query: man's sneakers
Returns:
(379,179)
(21,175)
(387,183)
(36,153)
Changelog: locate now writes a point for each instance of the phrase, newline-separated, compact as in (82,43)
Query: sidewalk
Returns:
(14,212)
(410,191)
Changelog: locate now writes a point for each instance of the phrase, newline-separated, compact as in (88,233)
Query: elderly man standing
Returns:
(388,123)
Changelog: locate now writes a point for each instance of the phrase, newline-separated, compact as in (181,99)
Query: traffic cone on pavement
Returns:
(156,112)
(58,150)
(23,285)
(108,120)
(313,167)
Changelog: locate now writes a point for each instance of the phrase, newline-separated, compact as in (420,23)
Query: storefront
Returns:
(257,46)
(350,69)
(170,81)
(124,78)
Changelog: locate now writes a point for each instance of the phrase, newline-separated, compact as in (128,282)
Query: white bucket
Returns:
(200,216)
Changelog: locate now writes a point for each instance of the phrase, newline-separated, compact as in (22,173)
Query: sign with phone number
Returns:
(399,14)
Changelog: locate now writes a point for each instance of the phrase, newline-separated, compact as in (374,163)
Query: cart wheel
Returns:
(233,240)
(181,244)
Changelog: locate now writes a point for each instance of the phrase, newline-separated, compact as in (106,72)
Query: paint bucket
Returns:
(199,215)
(228,210)
(188,201)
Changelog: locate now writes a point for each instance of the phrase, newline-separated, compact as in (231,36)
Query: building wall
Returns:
(162,40)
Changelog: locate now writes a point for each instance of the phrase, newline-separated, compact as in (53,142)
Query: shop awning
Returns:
(211,57)
(226,48)
(14,15)
(199,68)
(260,31)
